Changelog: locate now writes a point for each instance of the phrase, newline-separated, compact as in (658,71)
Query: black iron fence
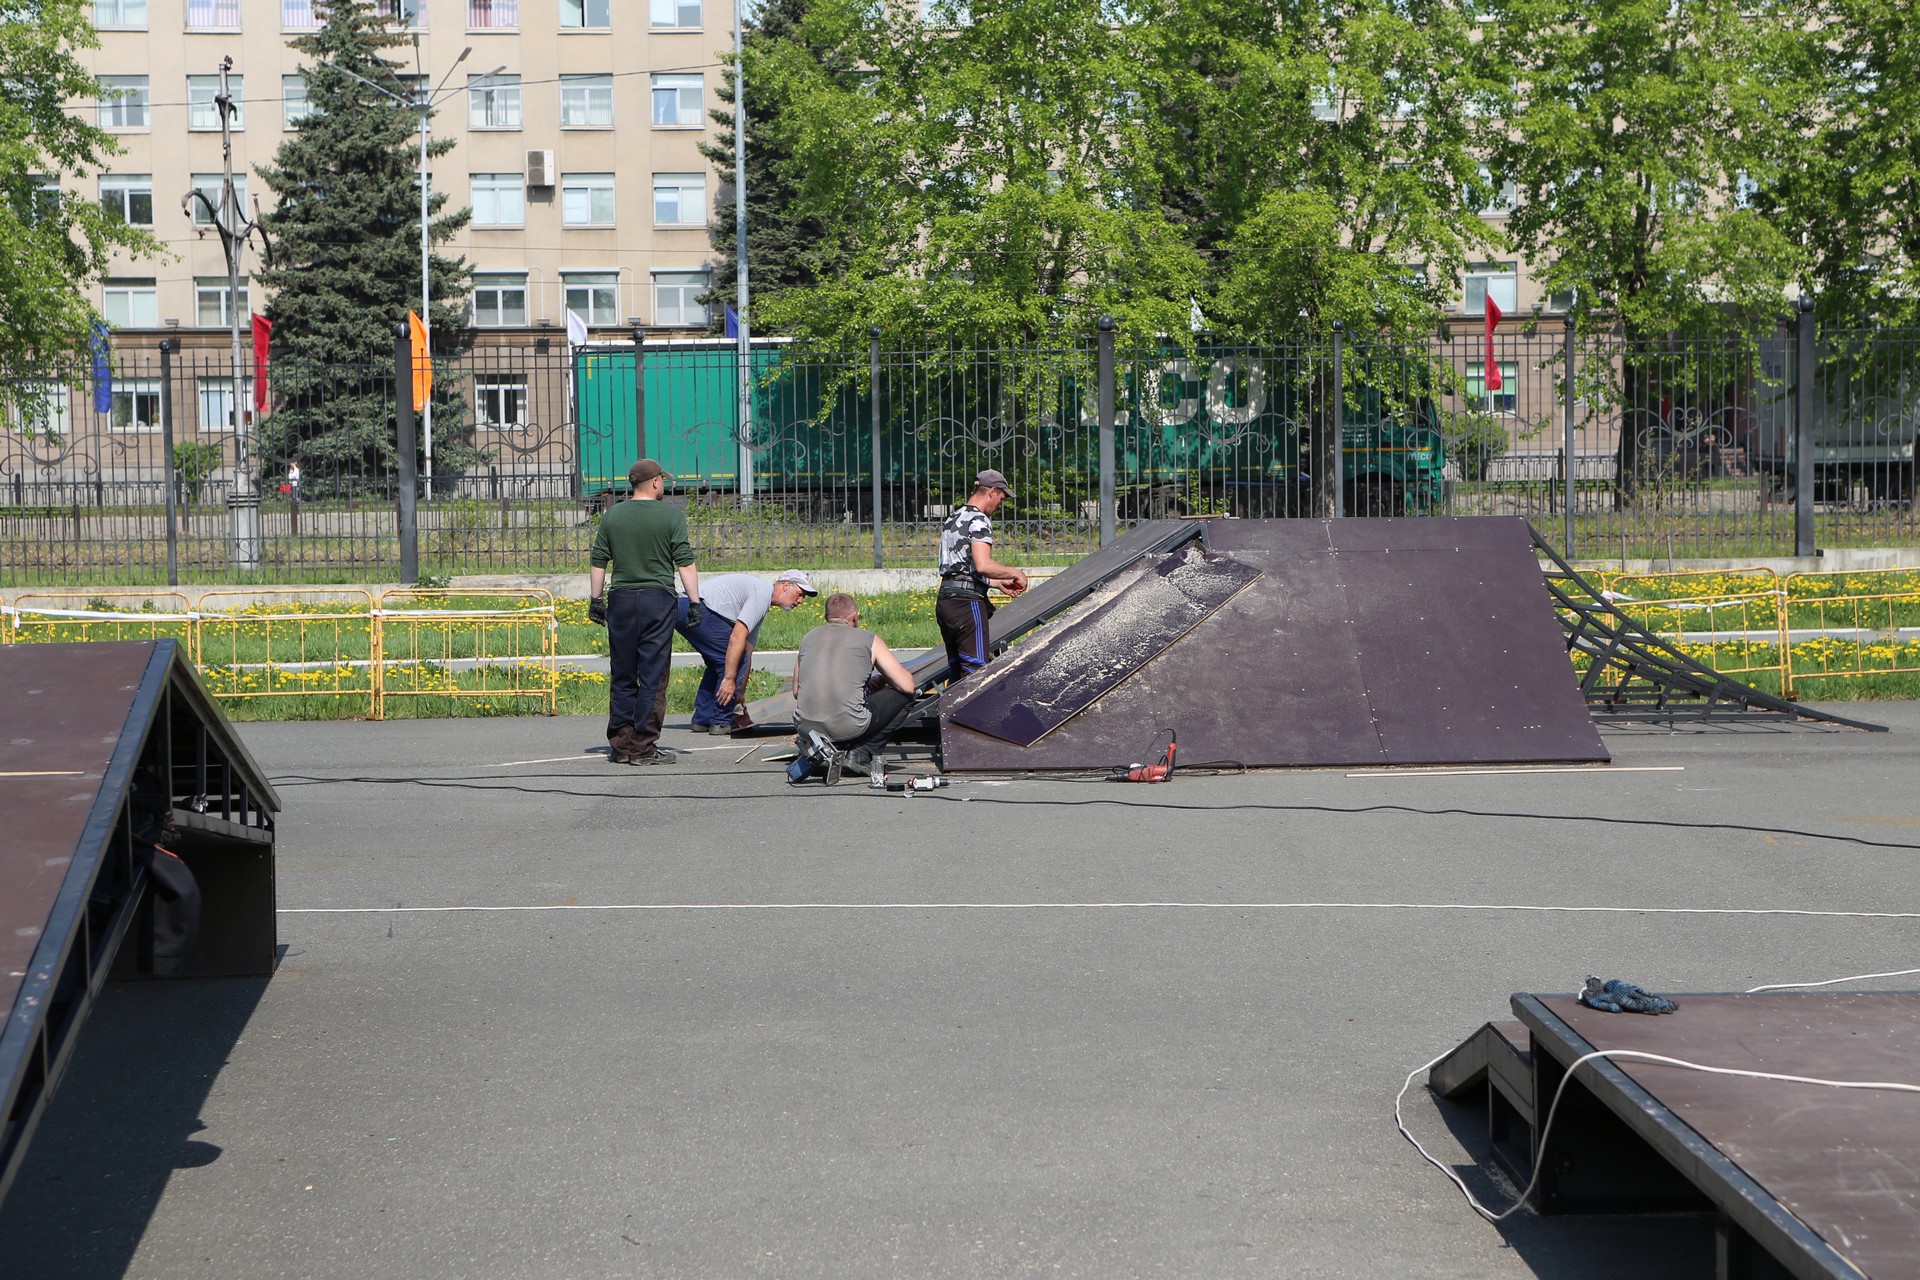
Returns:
(164,471)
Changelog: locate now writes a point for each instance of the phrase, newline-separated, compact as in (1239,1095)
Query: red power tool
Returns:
(1159,772)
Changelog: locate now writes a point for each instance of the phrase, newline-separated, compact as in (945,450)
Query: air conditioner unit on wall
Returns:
(539,168)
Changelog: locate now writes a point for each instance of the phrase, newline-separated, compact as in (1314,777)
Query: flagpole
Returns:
(743,343)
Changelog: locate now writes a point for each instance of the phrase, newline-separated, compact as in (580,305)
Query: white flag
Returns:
(576,330)
(1195,321)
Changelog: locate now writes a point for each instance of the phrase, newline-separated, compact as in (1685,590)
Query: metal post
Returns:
(1803,430)
(1105,379)
(1566,456)
(873,398)
(1340,420)
(243,502)
(407,443)
(167,346)
(639,393)
(743,356)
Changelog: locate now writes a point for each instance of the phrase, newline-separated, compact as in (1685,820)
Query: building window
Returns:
(1496,280)
(500,401)
(136,405)
(211,186)
(120,13)
(594,296)
(411,14)
(203,112)
(131,303)
(1562,300)
(41,409)
(581,14)
(1494,198)
(216,402)
(298,15)
(676,102)
(128,197)
(294,103)
(684,14)
(210,302)
(676,299)
(498,199)
(586,102)
(213,15)
(680,199)
(123,102)
(586,199)
(493,102)
(45,197)
(493,15)
(1501,401)
(499,299)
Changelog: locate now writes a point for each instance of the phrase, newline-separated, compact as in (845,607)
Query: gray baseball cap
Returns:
(798,579)
(992,480)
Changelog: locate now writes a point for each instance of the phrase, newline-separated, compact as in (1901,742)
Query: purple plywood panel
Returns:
(62,710)
(1477,534)
(1041,687)
(1271,678)
(1464,661)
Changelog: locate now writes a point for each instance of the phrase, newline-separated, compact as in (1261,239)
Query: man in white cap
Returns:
(967,570)
(725,634)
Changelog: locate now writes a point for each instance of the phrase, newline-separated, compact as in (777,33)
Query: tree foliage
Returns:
(346,261)
(788,246)
(58,243)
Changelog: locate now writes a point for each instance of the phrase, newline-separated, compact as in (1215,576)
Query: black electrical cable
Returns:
(856,792)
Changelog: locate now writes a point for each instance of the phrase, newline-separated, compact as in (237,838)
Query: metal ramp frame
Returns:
(1635,677)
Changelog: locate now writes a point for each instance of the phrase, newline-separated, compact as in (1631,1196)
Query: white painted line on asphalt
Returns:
(584,755)
(1466,773)
(1104,906)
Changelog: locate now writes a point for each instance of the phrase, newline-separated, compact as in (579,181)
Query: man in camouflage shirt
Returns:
(967,570)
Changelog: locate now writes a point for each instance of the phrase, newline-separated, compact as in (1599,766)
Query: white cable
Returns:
(1857,977)
(1540,1144)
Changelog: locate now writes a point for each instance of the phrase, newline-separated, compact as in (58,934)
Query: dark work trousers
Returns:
(710,640)
(963,625)
(886,707)
(639,647)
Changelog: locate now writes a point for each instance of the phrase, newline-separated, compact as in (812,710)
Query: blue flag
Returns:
(102,371)
(733,323)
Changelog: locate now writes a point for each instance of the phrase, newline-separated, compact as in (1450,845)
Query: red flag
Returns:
(1493,319)
(262,339)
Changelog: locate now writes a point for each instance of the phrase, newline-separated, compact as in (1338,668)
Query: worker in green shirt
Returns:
(645,540)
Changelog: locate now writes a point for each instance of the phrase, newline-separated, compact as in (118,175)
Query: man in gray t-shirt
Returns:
(735,605)
(834,688)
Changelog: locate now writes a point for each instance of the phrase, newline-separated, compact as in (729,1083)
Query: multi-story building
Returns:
(579,155)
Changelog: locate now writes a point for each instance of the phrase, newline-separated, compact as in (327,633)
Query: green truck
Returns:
(1216,432)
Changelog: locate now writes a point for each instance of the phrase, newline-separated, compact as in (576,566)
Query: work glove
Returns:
(597,611)
(694,615)
(1616,996)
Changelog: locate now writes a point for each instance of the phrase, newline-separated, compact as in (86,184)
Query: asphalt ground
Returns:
(1023,1027)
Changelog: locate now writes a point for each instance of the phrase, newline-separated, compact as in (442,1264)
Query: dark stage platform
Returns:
(1806,1180)
(99,742)
(1294,643)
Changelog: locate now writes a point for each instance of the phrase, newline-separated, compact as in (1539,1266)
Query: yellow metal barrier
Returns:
(55,616)
(1857,636)
(1733,620)
(318,642)
(478,645)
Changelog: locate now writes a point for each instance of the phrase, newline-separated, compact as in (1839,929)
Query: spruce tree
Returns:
(345,239)
(787,248)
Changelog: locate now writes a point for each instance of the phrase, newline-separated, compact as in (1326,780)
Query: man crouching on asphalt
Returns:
(736,605)
(848,689)
(646,541)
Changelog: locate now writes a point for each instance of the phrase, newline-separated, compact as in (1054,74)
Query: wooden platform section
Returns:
(1804,1179)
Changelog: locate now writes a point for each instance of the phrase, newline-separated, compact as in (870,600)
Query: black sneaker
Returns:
(655,756)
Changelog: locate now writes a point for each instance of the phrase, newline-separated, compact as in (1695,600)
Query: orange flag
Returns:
(422,362)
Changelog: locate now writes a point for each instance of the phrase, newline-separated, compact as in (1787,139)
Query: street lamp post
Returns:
(423,102)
